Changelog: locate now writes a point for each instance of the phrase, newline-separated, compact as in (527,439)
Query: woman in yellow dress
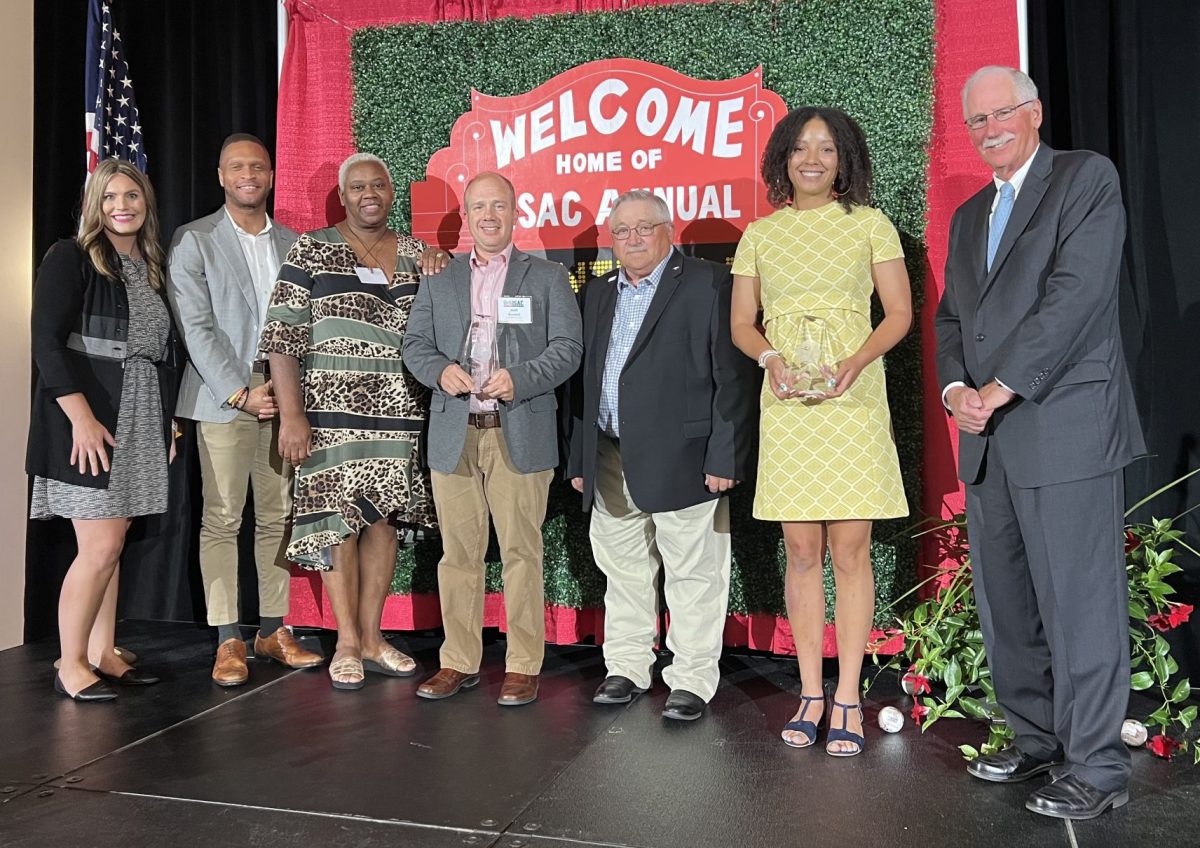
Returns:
(827,457)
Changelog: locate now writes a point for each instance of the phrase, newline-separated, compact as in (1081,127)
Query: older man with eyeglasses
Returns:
(1029,357)
(661,428)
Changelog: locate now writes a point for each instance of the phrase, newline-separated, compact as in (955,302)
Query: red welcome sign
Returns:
(578,141)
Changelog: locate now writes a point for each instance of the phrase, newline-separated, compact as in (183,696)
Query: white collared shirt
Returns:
(261,259)
(1016,181)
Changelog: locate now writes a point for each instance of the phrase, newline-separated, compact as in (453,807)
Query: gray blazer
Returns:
(1043,321)
(215,304)
(540,356)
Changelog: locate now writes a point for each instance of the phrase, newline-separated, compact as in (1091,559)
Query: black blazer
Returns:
(687,395)
(80,323)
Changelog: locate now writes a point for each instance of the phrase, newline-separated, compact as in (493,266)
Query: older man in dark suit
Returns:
(662,424)
(1029,357)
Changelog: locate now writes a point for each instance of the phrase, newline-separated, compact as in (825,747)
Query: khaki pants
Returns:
(692,545)
(234,456)
(486,481)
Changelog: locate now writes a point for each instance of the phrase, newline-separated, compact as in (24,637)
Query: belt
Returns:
(261,366)
(483,420)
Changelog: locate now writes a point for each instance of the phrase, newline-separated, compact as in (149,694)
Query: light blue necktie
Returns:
(999,220)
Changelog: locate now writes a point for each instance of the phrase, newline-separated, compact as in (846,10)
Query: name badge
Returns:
(515,310)
(372,276)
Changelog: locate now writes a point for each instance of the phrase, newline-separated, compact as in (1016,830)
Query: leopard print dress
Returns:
(366,410)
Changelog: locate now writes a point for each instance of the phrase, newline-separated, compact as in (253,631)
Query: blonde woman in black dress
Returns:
(100,431)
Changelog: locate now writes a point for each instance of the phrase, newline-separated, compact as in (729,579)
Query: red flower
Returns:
(1160,622)
(1175,615)
(918,682)
(1163,746)
(918,710)
(1179,614)
(1132,542)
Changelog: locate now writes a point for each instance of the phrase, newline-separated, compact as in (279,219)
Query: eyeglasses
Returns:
(978,122)
(643,230)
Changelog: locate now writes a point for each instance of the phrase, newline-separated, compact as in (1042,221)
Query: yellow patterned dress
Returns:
(831,459)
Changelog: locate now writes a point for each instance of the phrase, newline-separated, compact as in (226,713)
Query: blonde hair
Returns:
(92,238)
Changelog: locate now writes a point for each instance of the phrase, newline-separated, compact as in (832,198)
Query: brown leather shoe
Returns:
(518,689)
(445,683)
(230,667)
(282,647)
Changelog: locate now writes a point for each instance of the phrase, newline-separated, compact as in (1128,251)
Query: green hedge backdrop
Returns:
(872,58)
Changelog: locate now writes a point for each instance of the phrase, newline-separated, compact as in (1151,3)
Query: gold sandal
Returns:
(350,667)
(391,662)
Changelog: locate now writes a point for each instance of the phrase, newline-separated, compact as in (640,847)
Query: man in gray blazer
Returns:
(1029,357)
(493,442)
(221,272)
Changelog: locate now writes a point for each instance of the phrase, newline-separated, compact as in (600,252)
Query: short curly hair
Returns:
(853,181)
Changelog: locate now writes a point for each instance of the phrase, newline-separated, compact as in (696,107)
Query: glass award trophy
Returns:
(812,371)
(480,356)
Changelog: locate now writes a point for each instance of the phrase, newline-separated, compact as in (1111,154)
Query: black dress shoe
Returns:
(616,690)
(1009,766)
(1072,797)
(98,691)
(682,705)
(132,677)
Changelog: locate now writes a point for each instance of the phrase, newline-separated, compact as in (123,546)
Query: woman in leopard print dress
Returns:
(351,418)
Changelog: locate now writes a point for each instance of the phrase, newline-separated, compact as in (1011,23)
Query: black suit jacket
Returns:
(1044,322)
(80,323)
(686,394)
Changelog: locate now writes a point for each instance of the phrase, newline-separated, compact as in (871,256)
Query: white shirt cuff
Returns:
(946,391)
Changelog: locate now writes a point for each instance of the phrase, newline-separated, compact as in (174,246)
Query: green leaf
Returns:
(1161,646)
(953,674)
(968,752)
(953,693)
(1183,690)
(1187,716)
(973,708)
(1141,681)
(1172,666)
(1137,610)
(1160,717)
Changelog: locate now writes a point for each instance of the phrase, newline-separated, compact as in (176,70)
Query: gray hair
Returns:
(664,211)
(1023,86)
(357,158)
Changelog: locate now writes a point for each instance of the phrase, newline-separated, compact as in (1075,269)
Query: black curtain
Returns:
(201,69)
(1120,77)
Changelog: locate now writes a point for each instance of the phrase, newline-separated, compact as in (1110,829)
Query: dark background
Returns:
(201,69)
(1116,76)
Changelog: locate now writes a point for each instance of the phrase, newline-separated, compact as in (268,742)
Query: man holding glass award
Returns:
(493,335)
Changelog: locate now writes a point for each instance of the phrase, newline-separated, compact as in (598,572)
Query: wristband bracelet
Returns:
(765,355)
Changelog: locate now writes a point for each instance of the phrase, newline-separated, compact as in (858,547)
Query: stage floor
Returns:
(286,760)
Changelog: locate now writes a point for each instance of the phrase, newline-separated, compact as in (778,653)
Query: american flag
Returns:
(110,112)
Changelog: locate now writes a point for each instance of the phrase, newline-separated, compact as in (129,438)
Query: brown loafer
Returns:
(230,668)
(445,683)
(282,647)
(518,689)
